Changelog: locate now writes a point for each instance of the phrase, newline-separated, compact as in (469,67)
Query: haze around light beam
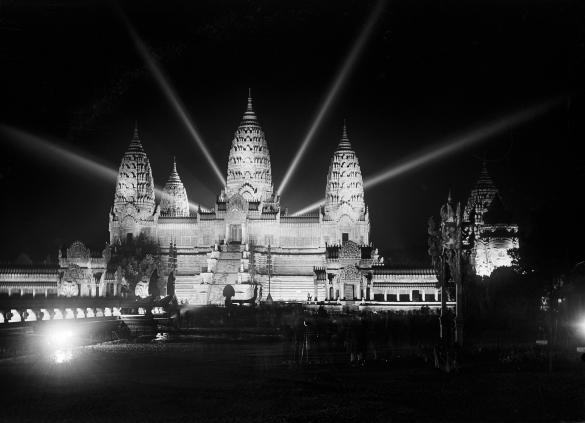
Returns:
(61,155)
(448,147)
(347,66)
(172,97)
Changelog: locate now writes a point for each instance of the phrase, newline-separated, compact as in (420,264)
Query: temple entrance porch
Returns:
(235,234)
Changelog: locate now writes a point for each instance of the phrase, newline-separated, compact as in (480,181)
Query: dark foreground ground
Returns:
(237,381)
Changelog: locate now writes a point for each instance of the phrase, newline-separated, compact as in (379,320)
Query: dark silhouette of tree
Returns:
(137,257)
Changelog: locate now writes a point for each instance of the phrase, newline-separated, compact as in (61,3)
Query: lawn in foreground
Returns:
(226,382)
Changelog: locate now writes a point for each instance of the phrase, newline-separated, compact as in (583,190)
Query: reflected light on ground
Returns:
(60,340)
(62,356)
(334,90)
(171,96)
(63,156)
(448,147)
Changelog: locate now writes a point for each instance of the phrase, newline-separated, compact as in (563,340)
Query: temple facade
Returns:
(248,248)
(248,242)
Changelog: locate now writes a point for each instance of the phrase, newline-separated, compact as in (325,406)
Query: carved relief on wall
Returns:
(68,289)
(73,277)
(350,274)
(350,250)
(237,204)
(78,251)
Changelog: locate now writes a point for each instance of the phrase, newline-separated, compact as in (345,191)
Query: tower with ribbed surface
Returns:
(174,201)
(249,173)
(246,245)
(134,209)
(344,192)
(481,197)
(344,195)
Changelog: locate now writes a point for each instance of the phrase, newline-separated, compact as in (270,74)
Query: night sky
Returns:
(431,70)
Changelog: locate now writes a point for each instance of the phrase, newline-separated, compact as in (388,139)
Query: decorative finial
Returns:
(135,144)
(175,164)
(344,143)
(250,100)
(449,197)
(344,133)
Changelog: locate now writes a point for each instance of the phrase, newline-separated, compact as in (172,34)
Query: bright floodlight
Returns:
(171,96)
(49,150)
(60,337)
(449,147)
(348,64)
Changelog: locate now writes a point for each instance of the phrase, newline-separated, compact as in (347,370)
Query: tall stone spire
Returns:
(174,201)
(481,197)
(135,144)
(135,186)
(344,192)
(249,171)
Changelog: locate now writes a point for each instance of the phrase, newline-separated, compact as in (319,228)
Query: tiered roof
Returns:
(482,195)
(174,201)
(135,184)
(249,170)
(344,192)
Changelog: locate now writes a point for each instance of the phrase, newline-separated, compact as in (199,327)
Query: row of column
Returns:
(334,291)
(32,315)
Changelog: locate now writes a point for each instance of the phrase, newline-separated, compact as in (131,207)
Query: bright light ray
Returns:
(348,64)
(451,146)
(172,96)
(59,155)
(448,147)
(310,208)
(62,156)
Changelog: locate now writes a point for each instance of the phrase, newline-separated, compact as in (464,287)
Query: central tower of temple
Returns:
(249,173)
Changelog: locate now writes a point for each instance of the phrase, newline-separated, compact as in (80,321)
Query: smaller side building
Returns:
(356,274)
(493,230)
(78,273)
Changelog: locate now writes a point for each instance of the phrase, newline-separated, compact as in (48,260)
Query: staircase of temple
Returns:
(228,265)
(223,269)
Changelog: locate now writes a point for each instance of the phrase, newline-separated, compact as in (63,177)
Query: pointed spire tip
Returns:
(344,143)
(136,136)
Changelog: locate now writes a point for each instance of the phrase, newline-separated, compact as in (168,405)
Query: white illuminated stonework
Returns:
(174,201)
(134,209)
(345,212)
(247,243)
(249,173)
(494,232)
(344,192)
(247,238)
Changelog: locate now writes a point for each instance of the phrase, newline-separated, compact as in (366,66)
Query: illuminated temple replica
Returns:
(248,245)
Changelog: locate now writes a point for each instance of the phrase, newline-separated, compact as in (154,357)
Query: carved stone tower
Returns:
(174,201)
(134,209)
(249,172)
(344,192)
